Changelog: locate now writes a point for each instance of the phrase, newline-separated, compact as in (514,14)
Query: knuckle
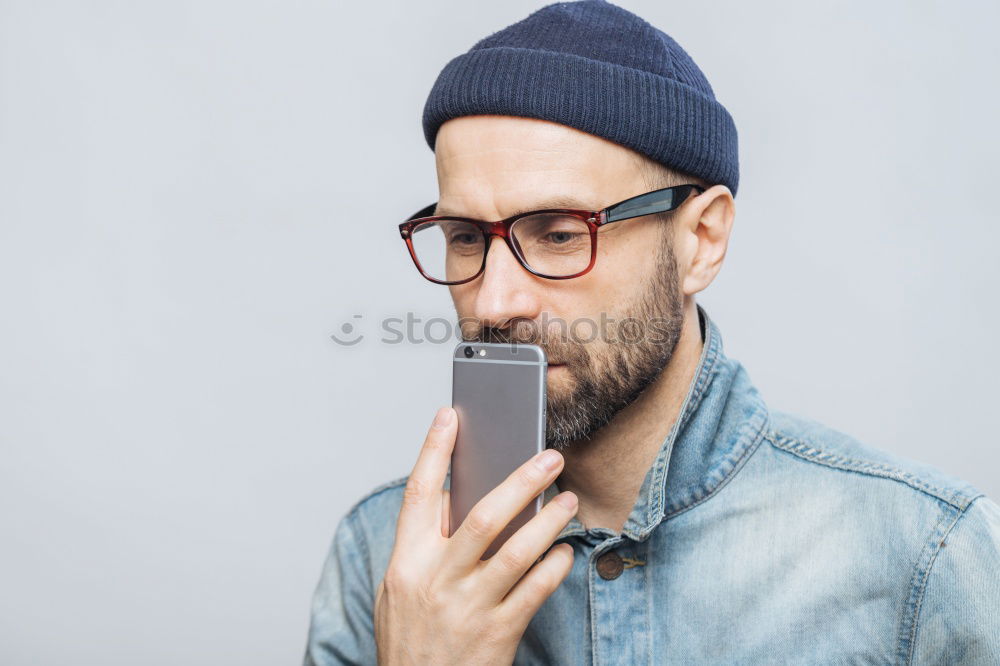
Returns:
(415,491)
(538,588)
(479,524)
(395,581)
(511,558)
(412,587)
(529,477)
(519,609)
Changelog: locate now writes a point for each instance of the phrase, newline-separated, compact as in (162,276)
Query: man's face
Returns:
(608,333)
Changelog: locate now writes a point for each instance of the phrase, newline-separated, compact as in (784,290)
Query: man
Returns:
(685,521)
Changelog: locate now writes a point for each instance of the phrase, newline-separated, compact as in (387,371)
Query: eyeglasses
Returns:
(553,243)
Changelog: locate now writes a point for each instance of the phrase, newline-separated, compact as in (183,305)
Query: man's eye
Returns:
(464,239)
(560,237)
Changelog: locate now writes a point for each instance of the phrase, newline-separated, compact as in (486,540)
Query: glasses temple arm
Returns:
(652,202)
(426,211)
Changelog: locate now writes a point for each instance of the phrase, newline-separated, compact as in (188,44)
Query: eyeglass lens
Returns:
(551,244)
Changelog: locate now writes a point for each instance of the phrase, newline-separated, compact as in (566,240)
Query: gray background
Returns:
(195,195)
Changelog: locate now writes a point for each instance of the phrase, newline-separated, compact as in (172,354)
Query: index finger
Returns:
(420,512)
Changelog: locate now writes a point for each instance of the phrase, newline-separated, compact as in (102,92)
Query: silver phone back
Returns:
(499,396)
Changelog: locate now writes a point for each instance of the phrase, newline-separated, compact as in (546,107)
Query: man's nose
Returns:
(506,290)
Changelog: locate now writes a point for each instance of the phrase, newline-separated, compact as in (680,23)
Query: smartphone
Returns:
(498,393)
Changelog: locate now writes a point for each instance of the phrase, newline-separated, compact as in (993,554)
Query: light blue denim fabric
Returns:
(764,538)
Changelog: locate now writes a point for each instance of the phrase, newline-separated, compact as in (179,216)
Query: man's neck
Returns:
(607,471)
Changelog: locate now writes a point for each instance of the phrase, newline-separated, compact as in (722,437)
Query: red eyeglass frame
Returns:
(649,203)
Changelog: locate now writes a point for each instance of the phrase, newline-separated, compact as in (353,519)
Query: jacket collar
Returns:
(721,421)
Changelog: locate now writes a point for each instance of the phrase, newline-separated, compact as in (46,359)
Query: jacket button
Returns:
(610,565)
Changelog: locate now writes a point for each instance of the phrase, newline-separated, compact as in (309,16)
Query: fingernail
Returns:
(442,418)
(548,460)
(567,499)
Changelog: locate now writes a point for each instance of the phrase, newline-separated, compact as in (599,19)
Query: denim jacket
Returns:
(757,537)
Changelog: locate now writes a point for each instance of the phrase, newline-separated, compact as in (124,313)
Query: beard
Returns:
(622,357)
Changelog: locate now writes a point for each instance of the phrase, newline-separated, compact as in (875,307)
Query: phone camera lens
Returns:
(469,352)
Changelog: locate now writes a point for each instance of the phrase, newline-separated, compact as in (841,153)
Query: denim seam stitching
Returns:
(650,608)
(923,583)
(591,567)
(363,540)
(737,464)
(881,470)
(908,641)
(378,490)
(353,518)
(709,368)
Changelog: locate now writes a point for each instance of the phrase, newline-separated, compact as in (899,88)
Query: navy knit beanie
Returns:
(603,70)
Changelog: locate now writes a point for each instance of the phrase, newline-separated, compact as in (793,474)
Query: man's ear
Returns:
(705,225)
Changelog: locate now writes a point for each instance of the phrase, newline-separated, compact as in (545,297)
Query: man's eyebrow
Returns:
(556,202)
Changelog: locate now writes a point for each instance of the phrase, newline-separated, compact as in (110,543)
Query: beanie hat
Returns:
(603,70)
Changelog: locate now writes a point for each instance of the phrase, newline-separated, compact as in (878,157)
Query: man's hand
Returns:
(439,603)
